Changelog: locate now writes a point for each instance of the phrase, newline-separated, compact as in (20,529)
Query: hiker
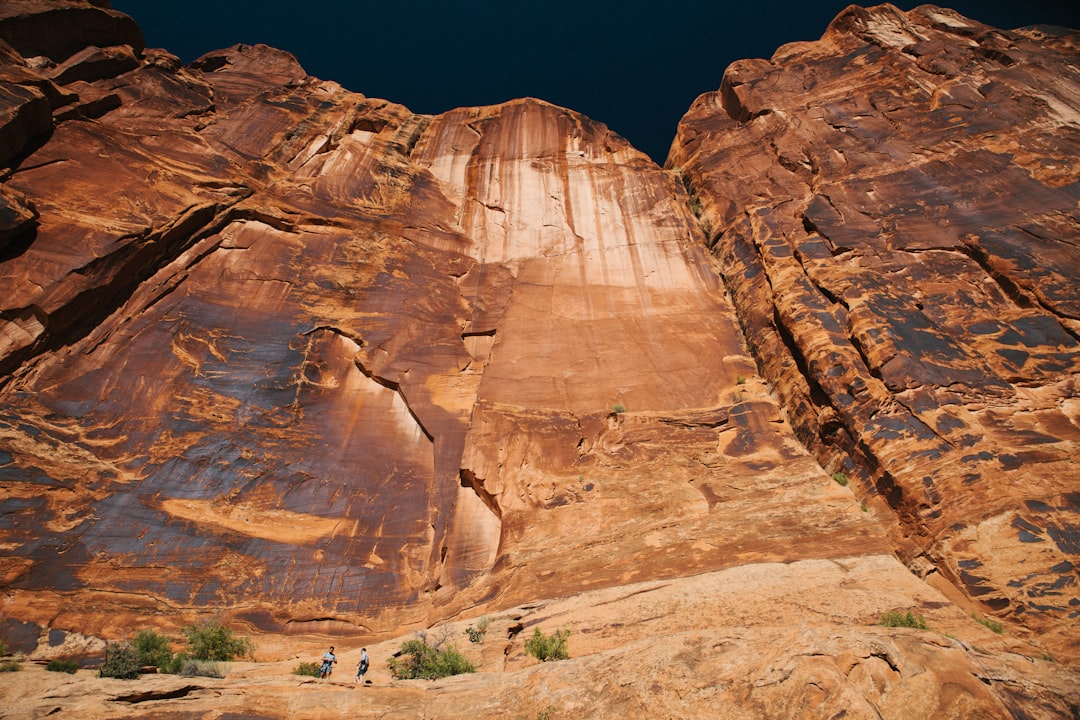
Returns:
(328,660)
(362,666)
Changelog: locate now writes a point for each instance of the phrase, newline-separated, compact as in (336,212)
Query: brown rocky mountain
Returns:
(278,353)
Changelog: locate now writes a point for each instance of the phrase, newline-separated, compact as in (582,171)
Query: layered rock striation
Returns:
(277,352)
(903,255)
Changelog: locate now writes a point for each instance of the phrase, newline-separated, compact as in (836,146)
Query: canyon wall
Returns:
(903,255)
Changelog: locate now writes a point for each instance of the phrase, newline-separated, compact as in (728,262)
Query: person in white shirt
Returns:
(362,666)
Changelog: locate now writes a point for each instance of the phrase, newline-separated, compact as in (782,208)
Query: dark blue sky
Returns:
(634,65)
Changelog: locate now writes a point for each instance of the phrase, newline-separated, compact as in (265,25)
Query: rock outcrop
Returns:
(904,259)
(304,360)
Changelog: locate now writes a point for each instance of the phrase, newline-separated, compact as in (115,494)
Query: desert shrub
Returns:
(210,640)
(309,669)
(191,667)
(120,662)
(417,659)
(899,619)
(619,408)
(62,665)
(476,632)
(152,649)
(840,478)
(174,663)
(11,664)
(548,647)
(989,623)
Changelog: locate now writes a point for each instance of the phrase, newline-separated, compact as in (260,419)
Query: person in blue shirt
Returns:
(328,661)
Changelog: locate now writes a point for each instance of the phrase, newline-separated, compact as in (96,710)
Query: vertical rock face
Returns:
(350,356)
(894,209)
(278,352)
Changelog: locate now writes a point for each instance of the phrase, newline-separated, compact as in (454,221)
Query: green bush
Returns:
(548,647)
(11,664)
(418,660)
(59,665)
(120,662)
(619,408)
(152,649)
(309,669)
(174,663)
(210,640)
(840,478)
(989,623)
(899,619)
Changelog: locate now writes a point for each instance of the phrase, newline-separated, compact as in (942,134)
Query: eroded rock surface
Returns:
(895,211)
(277,352)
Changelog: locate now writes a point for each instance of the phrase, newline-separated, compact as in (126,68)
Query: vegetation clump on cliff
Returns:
(210,640)
(418,659)
(208,643)
(120,662)
(307,669)
(899,619)
(476,632)
(12,664)
(548,647)
(62,665)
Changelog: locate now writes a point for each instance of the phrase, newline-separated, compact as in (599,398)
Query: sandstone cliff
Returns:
(278,352)
(904,260)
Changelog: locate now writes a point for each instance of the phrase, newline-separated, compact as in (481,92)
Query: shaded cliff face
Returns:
(903,254)
(305,360)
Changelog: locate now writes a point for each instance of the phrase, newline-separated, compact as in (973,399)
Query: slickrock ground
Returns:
(335,372)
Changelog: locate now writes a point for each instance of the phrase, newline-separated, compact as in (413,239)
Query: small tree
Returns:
(548,647)
(418,660)
(210,640)
(120,662)
(152,649)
